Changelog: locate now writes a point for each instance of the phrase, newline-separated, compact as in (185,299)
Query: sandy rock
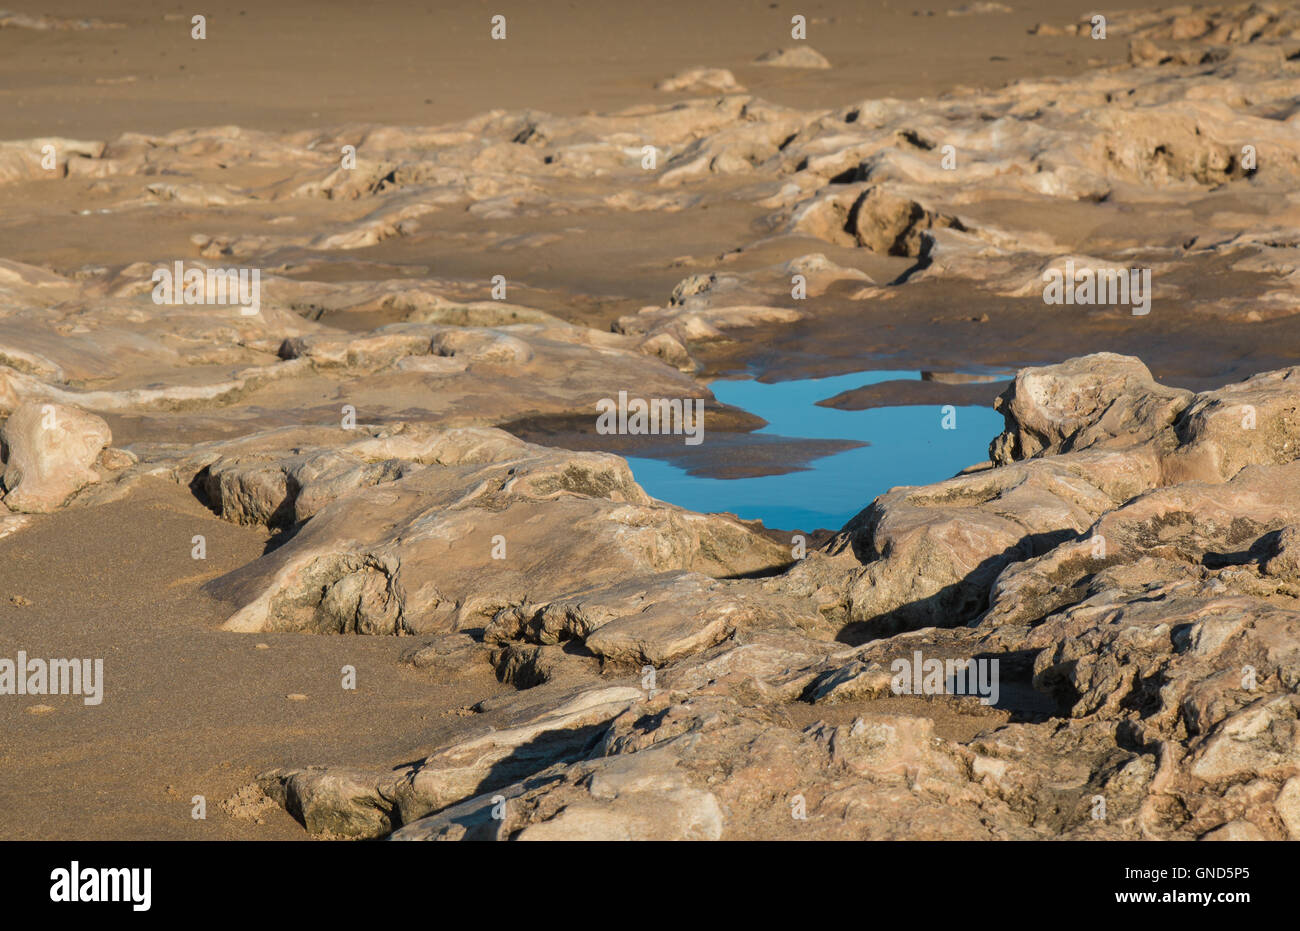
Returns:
(800,56)
(481,346)
(1103,400)
(1287,806)
(643,622)
(526,665)
(1155,623)
(364,804)
(1128,554)
(26,160)
(1254,422)
(1236,830)
(1263,739)
(701,80)
(634,797)
(49,451)
(416,553)
(892,225)
(332,803)
(930,554)
(450,656)
(1284,563)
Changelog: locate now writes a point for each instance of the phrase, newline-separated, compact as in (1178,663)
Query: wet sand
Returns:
(187,710)
(291,65)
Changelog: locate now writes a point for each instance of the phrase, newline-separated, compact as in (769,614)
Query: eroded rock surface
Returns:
(1146,627)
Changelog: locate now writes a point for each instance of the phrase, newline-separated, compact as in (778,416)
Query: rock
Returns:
(415,554)
(25,160)
(929,555)
(1260,740)
(630,800)
(367,804)
(1236,830)
(12,523)
(891,225)
(115,460)
(450,656)
(701,80)
(526,666)
(1190,26)
(49,451)
(1285,561)
(1128,554)
(800,56)
(1103,399)
(480,346)
(1110,401)
(852,682)
(1254,422)
(1152,637)
(333,803)
(1287,806)
(643,622)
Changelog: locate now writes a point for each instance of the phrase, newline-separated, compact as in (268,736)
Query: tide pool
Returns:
(908,446)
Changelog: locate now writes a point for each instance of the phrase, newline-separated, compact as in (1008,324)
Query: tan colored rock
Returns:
(701,80)
(1102,399)
(1262,739)
(365,804)
(1235,830)
(408,548)
(1287,806)
(893,225)
(930,554)
(49,453)
(650,620)
(800,56)
(1254,422)
(1285,561)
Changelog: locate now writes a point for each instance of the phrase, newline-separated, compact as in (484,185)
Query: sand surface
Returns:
(189,710)
(289,65)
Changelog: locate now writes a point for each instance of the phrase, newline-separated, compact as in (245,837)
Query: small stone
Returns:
(800,57)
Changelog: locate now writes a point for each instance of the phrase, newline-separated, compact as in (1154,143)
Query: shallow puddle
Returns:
(906,445)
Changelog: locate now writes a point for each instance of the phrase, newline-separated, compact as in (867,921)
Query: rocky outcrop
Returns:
(461,525)
(1144,627)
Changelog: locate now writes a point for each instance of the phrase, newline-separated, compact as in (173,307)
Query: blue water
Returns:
(908,446)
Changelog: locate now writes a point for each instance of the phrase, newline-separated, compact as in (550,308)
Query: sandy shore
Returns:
(481,158)
(190,710)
